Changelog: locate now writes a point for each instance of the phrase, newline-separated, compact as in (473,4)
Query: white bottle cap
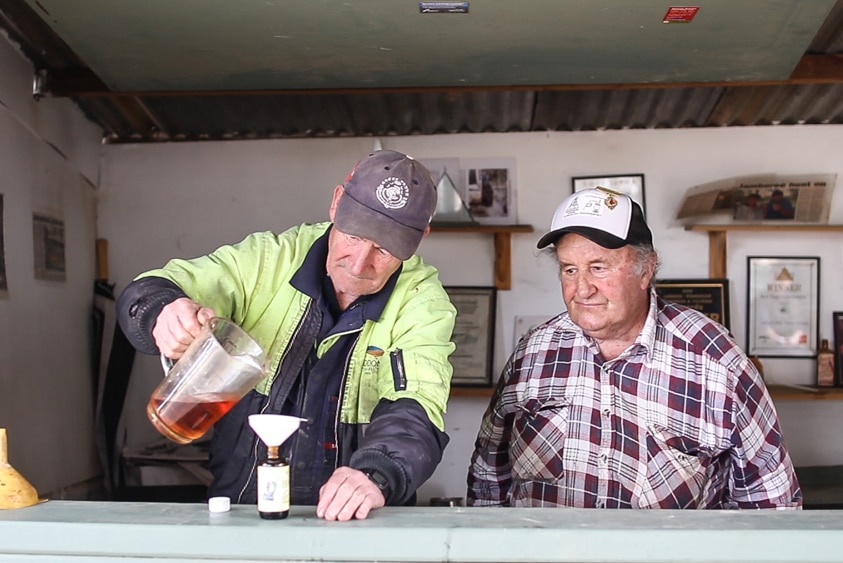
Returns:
(219,504)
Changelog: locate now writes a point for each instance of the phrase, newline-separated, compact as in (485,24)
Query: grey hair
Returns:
(645,256)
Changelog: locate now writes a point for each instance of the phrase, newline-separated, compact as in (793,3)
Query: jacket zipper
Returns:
(268,397)
(338,457)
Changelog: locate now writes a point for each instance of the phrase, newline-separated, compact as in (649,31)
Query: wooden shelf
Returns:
(717,239)
(472,391)
(503,245)
(784,392)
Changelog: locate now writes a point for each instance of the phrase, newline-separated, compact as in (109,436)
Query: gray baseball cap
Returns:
(389,198)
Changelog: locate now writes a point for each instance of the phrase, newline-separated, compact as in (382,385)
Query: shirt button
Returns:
(606,413)
(301,465)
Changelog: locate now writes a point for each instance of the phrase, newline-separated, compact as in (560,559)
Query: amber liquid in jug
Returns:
(185,421)
(218,368)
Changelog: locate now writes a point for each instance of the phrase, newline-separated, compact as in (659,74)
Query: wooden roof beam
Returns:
(818,69)
(811,69)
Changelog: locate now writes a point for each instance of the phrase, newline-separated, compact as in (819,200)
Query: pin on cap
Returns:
(219,504)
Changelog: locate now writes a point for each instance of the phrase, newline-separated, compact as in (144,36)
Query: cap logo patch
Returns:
(611,202)
(393,193)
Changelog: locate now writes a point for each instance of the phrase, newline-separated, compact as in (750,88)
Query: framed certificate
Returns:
(709,296)
(783,297)
(474,335)
(629,184)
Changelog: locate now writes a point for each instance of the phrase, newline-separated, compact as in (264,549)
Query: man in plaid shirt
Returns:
(626,400)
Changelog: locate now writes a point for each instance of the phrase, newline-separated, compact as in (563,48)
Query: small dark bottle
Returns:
(273,486)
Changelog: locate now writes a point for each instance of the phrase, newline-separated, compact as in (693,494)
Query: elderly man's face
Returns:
(605,294)
(356,266)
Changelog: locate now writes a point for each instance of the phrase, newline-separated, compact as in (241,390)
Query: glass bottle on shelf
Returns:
(825,365)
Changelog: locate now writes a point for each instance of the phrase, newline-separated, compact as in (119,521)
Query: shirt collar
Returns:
(646,338)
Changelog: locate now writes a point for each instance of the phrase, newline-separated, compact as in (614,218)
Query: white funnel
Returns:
(274,429)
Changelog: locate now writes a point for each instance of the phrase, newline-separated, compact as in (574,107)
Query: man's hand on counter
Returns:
(348,494)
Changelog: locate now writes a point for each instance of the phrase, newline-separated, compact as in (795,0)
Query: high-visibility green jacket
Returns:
(400,357)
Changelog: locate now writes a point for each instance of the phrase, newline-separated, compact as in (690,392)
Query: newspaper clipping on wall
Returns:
(799,198)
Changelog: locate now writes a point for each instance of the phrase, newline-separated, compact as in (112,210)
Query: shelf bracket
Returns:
(717,238)
(503,261)
(716,254)
(503,246)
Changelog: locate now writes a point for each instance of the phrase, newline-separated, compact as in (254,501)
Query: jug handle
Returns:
(166,364)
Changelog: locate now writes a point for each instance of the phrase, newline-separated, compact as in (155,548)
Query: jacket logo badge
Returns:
(374,351)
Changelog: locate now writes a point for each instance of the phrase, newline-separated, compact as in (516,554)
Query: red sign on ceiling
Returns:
(680,14)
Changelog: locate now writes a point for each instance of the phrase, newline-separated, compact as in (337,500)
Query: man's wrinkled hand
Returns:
(348,494)
(178,324)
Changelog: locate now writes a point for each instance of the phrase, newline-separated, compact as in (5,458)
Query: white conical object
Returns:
(274,429)
(450,207)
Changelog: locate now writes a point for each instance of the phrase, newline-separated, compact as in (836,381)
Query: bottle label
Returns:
(825,369)
(273,488)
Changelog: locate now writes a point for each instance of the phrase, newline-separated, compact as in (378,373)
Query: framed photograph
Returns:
(629,184)
(709,296)
(837,323)
(783,298)
(48,247)
(474,335)
(489,190)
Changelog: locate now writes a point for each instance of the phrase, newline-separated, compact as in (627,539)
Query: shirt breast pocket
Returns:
(538,440)
(676,472)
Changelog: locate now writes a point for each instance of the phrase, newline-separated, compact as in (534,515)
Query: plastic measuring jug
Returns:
(218,368)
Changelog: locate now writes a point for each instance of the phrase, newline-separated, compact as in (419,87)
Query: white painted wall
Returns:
(161,201)
(49,159)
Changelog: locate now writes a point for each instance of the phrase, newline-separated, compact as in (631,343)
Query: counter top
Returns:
(134,531)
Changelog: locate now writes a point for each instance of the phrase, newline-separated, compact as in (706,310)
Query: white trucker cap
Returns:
(608,218)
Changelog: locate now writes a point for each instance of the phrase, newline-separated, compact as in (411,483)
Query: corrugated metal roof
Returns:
(291,116)
(157,118)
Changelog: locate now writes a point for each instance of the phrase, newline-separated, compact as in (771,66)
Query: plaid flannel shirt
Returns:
(681,419)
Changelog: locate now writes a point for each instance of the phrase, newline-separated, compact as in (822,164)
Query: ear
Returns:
(338,191)
(648,274)
(426,231)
